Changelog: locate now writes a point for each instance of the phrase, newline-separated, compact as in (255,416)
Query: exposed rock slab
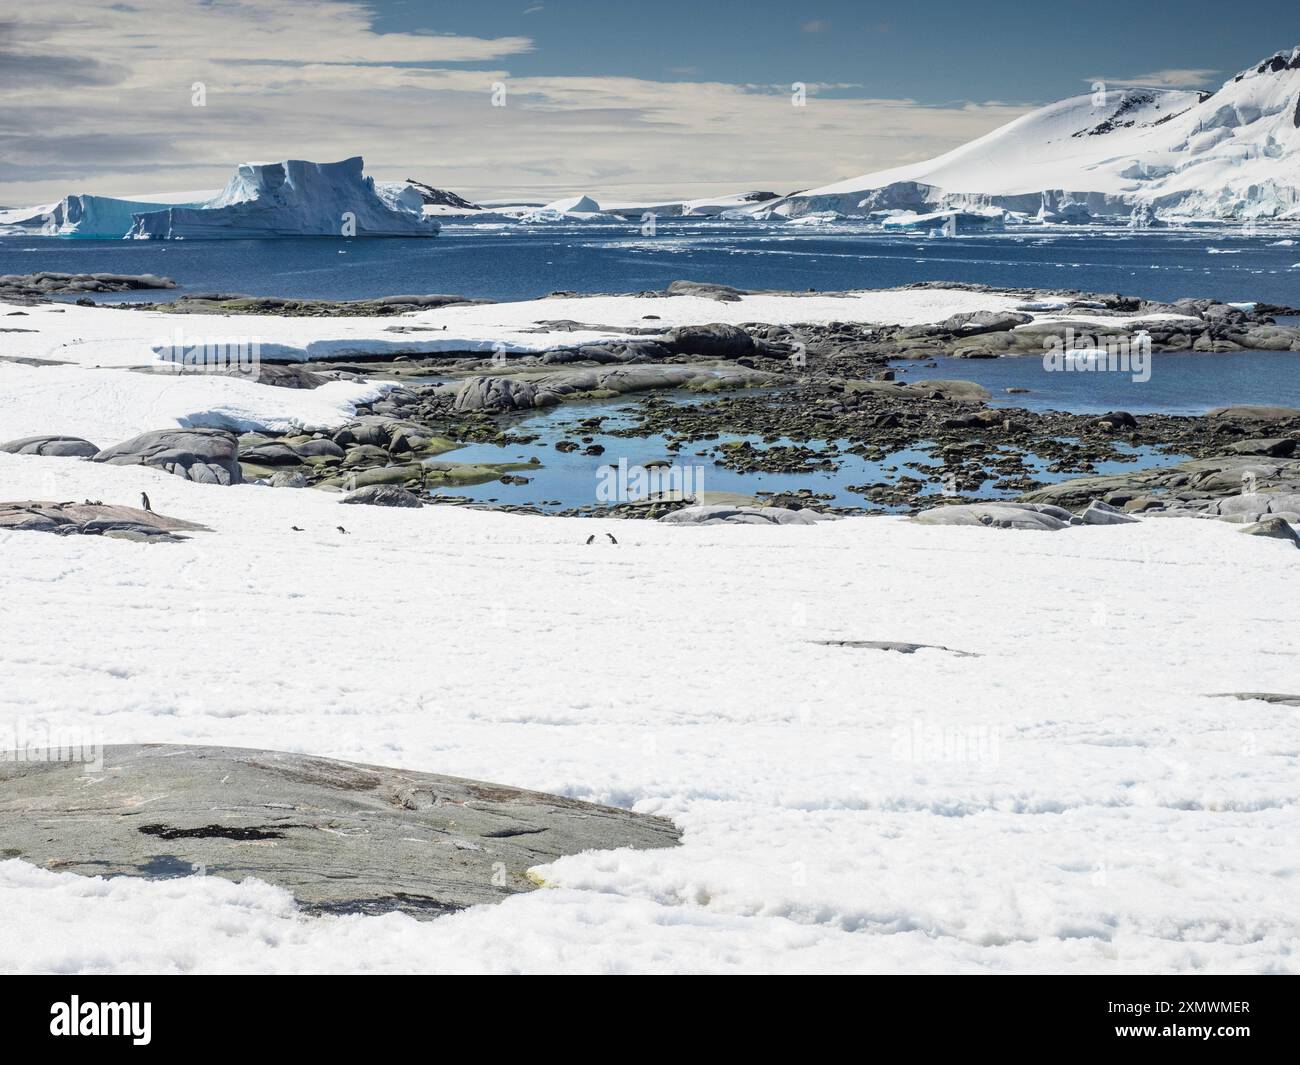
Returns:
(900,646)
(1277,698)
(50,283)
(383,495)
(1273,527)
(729,515)
(342,837)
(93,519)
(1038,517)
(56,446)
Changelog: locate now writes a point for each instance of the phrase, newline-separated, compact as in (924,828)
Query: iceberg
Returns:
(570,209)
(79,216)
(294,198)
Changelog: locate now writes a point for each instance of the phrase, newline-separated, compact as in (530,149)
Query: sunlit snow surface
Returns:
(1070,799)
(1100,814)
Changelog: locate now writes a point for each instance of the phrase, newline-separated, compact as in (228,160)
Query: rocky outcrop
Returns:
(1032,516)
(342,837)
(383,495)
(208,456)
(714,341)
(726,515)
(30,287)
(93,519)
(73,447)
(507,393)
(1274,528)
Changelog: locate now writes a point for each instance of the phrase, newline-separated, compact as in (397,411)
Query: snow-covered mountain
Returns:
(295,198)
(442,197)
(1148,153)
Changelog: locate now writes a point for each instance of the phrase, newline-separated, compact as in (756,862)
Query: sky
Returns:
(625,100)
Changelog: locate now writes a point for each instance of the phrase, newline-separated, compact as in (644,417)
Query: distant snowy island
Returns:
(1147,157)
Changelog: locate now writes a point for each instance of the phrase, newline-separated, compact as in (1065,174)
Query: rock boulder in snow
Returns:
(1035,516)
(209,456)
(383,495)
(1273,527)
(59,446)
(725,515)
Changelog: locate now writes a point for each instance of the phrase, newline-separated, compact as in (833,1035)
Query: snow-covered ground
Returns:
(1069,800)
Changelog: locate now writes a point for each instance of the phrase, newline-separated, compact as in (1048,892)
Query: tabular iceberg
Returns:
(80,216)
(294,198)
(1139,153)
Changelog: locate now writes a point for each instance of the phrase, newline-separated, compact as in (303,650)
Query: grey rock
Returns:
(717,340)
(727,515)
(724,293)
(318,449)
(55,446)
(1274,447)
(1255,413)
(92,519)
(1100,513)
(383,495)
(1277,698)
(1033,516)
(495,393)
(208,456)
(288,479)
(341,837)
(272,454)
(1275,528)
(900,646)
(970,323)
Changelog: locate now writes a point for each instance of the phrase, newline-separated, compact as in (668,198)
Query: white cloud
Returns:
(312,80)
(1185,78)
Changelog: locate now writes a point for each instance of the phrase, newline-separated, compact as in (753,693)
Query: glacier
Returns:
(294,198)
(1139,154)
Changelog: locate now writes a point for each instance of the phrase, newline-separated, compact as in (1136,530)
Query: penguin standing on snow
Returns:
(144,502)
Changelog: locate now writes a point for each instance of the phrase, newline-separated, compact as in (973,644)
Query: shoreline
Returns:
(343,402)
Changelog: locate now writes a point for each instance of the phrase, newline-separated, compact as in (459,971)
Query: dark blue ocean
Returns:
(519,262)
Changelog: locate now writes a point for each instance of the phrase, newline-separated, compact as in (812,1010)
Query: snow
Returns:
(107,406)
(1233,155)
(1070,800)
(295,197)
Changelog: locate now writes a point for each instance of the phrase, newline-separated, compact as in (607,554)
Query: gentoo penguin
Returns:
(144,502)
